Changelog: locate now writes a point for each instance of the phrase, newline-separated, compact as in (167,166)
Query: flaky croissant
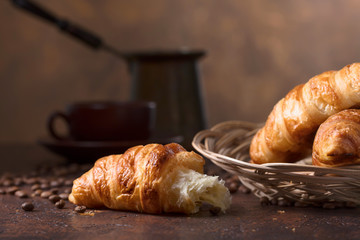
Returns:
(153,178)
(290,128)
(337,141)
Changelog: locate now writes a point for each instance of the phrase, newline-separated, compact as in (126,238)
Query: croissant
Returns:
(152,179)
(337,141)
(291,126)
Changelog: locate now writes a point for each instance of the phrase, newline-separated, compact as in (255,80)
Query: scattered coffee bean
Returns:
(274,201)
(7,183)
(244,189)
(80,209)
(54,198)
(215,210)
(18,182)
(31,181)
(35,187)
(54,190)
(235,178)
(64,196)
(12,190)
(37,192)
(21,194)
(67,190)
(233,187)
(284,203)
(27,206)
(44,186)
(44,181)
(45,194)
(54,184)
(264,201)
(60,204)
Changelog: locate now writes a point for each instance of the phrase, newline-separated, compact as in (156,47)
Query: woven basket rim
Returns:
(227,146)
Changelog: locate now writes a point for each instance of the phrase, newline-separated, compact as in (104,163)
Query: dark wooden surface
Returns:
(246,219)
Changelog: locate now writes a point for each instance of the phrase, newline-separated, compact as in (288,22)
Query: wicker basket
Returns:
(227,145)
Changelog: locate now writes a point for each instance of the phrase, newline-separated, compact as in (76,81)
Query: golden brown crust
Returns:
(291,126)
(337,141)
(136,180)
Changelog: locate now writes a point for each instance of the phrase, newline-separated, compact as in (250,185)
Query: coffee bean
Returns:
(27,206)
(64,196)
(7,176)
(45,194)
(54,190)
(244,189)
(2,191)
(80,209)
(54,198)
(44,181)
(233,187)
(12,190)
(44,186)
(31,181)
(60,204)
(37,192)
(8,183)
(264,201)
(67,190)
(21,194)
(235,178)
(284,203)
(35,187)
(274,201)
(18,182)
(215,210)
(68,183)
(54,184)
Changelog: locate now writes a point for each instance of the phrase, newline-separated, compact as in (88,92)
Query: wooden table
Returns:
(246,219)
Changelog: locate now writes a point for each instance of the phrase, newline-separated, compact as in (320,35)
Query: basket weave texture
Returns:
(227,145)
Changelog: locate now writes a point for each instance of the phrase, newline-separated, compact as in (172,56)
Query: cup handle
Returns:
(51,124)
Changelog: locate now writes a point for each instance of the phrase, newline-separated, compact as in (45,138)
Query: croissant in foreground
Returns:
(153,179)
(291,126)
(337,141)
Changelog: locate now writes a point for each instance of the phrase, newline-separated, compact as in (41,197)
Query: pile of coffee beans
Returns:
(51,183)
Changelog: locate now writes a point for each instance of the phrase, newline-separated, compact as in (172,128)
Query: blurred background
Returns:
(257,50)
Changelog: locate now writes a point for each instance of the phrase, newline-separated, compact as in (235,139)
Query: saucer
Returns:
(88,151)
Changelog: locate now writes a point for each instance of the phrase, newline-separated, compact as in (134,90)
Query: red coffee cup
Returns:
(105,121)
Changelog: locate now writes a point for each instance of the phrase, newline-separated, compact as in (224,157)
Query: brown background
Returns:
(257,51)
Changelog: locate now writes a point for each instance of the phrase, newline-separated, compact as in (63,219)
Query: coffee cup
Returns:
(104,121)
